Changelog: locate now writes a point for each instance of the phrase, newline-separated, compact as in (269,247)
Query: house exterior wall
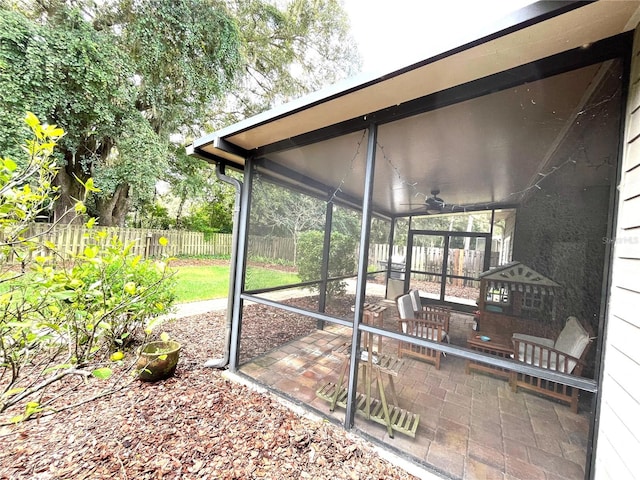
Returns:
(506,255)
(561,224)
(618,436)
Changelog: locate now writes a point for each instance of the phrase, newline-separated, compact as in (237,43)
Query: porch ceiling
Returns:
(479,152)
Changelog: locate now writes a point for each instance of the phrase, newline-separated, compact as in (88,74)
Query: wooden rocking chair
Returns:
(427,325)
(420,309)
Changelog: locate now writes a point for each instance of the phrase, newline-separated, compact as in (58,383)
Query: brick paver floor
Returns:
(471,426)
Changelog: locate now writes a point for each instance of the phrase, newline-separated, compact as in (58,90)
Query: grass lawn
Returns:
(205,282)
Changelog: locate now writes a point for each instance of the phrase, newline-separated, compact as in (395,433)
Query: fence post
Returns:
(147,245)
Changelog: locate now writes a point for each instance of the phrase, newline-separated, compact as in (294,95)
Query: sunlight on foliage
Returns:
(64,315)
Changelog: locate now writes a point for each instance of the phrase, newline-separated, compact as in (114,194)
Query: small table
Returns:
(370,313)
(498,345)
(377,368)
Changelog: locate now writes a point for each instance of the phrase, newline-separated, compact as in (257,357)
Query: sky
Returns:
(395,33)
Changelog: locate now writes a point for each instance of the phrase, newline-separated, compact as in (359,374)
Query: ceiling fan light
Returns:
(434,204)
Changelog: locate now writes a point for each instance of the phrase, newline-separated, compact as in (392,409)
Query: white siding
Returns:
(506,254)
(618,448)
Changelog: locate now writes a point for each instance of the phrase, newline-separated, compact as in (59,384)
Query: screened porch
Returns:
(494,199)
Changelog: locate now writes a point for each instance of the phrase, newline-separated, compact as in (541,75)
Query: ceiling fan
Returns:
(434,203)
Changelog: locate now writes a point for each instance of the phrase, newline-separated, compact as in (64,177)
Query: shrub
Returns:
(342,259)
(110,289)
(61,316)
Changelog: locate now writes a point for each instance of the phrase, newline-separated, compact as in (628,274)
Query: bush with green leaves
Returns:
(342,259)
(108,288)
(65,316)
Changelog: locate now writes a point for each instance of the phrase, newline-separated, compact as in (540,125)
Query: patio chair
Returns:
(419,309)
(566,354)
(428,325)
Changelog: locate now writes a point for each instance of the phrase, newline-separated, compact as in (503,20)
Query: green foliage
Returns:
(109,288)
(45,68)
(380,230)
(152,215)
(194,43)
(210,218)
(190,178)
(61,315)
(121,77)
(290,50)
(210,202)
(137,158)
(342,259)
(79,78)
(120,86)
(25,192)
(282,212)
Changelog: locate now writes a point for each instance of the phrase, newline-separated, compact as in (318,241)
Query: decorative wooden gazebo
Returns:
(516,298)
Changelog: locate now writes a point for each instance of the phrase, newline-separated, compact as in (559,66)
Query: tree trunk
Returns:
(183,200)
(70,190)
(112,211)
(467,240)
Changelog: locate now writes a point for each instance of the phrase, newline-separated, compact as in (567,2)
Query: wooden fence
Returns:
(271,248)
(73,239)
(467,263)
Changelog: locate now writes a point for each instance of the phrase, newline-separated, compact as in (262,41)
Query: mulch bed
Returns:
(196,424)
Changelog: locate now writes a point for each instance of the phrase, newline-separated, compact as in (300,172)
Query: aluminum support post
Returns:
(361,284)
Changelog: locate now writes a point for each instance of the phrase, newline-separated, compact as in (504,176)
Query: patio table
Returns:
(498,345)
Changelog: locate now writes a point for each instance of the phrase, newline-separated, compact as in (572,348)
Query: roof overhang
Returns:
(538,31)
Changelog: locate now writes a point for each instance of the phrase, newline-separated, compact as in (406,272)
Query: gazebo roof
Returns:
(514,275)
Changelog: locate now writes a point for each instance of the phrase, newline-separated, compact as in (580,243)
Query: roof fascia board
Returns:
(213,159)
(222,151)
(526,17)
(221,144)
(613,47)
